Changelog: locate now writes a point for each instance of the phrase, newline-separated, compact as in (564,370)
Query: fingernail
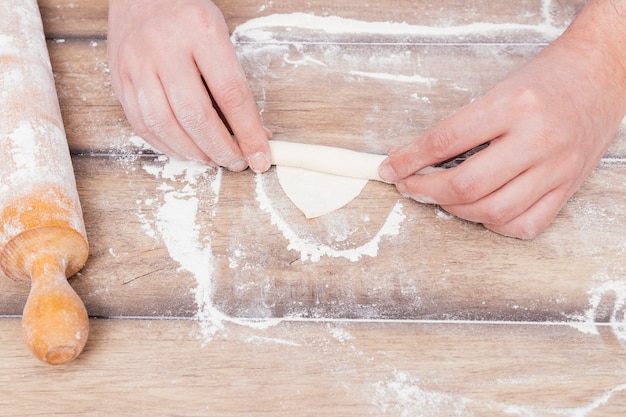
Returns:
(402,189)
(386,172)
(259,162)
(238,166)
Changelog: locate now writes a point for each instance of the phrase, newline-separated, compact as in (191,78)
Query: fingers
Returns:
(520,207)
(467,129)
(198,120)
(161,75)
(534,220)
(150,115)
(227,82)
(477,177)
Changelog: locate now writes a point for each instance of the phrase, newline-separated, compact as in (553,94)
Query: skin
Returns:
(160,51)
(547,124)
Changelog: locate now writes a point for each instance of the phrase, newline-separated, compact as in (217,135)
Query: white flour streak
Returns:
(175,220)
(314,250)
(339,333)
(264,28)
(303,61)
(271,340)
(586,322)
(411,79)
(403,396)
(600,401)
(7,45)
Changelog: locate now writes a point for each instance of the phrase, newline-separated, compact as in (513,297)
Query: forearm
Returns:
(600,31)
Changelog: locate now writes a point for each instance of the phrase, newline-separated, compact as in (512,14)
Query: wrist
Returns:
(599,32)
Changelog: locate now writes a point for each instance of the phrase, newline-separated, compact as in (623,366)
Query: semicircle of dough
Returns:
(318,193)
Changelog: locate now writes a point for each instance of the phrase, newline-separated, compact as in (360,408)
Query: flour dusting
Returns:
(264,28)
(175,221)
(174,218)
(314,251)
(402,395)
(411,79)
(586,322)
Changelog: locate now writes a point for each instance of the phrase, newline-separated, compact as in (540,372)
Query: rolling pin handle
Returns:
(55,321)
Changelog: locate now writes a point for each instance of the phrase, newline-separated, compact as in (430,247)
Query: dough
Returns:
(318,193)
(320,179)
(328,159)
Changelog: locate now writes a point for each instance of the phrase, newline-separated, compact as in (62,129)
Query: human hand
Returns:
(547,124)
(161,54)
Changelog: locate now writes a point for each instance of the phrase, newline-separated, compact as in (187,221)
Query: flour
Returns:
(402,395)
(175,221)
(586,322)
(411,79)
(263,29)
(339,333)
(313,251)
(7,45)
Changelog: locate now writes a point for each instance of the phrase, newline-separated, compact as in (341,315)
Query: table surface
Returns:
(210,294)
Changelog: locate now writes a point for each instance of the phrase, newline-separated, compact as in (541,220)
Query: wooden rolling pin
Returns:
(42,233)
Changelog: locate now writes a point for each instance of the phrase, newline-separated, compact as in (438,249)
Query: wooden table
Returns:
(211,295)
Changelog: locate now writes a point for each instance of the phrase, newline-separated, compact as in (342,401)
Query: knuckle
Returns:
(498,214)
(154,122)
(439,143)
(208,17)
(527,100)
(233,96)
(464,187)
(192,117)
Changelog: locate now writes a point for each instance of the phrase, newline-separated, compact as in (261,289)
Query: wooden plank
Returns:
(69,19)
(159,368)
(367,97)
(160,231)
(436,267)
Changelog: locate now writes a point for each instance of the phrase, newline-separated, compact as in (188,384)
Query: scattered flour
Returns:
(7,45)
(339,333)
(401,395)
(260,339)
(175,220)
(412,79)
(313,251)
(264,28)
(587,323)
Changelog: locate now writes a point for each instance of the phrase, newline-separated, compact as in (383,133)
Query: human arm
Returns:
(547,124)
(165,56)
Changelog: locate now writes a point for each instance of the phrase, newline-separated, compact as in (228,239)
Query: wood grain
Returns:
(446,319)
(349,103)
(436,268)
(69,19)
(159,368)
